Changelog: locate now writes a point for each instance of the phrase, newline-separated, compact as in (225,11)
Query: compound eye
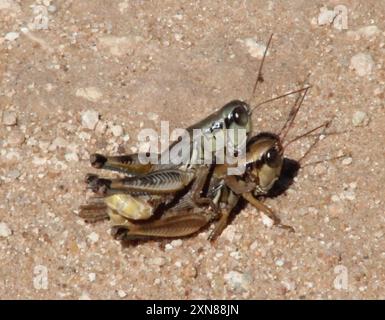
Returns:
(271,157)
(240,116)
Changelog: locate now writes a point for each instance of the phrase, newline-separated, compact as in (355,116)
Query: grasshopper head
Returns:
(264,159)
(236,115)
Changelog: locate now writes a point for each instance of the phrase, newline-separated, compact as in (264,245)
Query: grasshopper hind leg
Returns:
(128,164)
(176,226)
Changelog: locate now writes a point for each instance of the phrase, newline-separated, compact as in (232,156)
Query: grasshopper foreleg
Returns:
(265,209)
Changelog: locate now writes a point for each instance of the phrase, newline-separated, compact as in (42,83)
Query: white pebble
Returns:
(52,8)
(236,255)
(12,155)
(58,142)
(347,161)
(153,116)
(289,285)
(255,49)
(89,119)
(84,296)
(176,243)
(11,36)
(360,118)
(84,136)
(91,93)
(4,230)
(93,237)
(325,17)
(117,130)
(91,277)
(279,262)
(9,118)
(157,261)
(121,294)
(37,161)
(267,221)
(71,156)
(362,63)
(13,174)
(353,185)
(255,245)
(238,280)
(349,195)
(335,198)
(178,36)
(101,127)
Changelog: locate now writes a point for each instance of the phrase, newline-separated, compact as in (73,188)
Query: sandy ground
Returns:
(137,63)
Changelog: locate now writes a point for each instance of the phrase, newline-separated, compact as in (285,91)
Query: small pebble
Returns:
(289,285)
(121,294)
(71,156)
(349,195)
(178,36)
(13,174)
(238,280)
(360,119)
(93,237)
(52,8)
(176,243)
(91,94)
(153,116)
(15,138)
(91,277)
(37,161)
(90,118)
(4,230)
(362,63)
(236,255)
(255,49)
(9,118)
(58,142)
(117,130)
(157,261)
(101,127)
(84,296)
(335,198)
(325,17)
(279,262)
(268,222)
(11,36)
(254,246)
(347,161)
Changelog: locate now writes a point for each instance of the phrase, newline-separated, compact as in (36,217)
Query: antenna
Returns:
(260,77)
(279,97)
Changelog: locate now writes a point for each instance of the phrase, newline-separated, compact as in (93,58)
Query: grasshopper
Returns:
(234,115)
(131,203)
